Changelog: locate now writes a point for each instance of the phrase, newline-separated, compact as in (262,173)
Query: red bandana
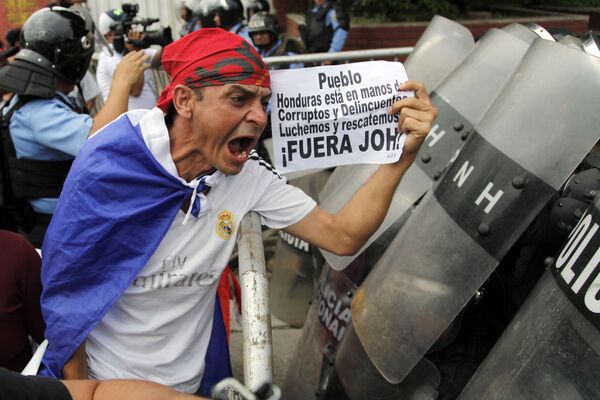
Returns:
(209,57)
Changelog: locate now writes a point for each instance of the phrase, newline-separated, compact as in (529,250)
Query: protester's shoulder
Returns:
(259,167)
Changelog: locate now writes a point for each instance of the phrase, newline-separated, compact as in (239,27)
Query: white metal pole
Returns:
(256,307)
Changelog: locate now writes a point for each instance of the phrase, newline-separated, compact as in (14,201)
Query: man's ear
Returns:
(183,98)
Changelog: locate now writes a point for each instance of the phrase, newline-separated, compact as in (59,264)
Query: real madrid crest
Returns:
(225,224)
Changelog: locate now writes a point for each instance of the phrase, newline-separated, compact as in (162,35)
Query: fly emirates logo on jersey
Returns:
(173,275)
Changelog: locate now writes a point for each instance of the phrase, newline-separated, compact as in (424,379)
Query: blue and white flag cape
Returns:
(115,208)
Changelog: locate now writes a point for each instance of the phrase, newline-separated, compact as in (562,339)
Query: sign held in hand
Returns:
(327,116)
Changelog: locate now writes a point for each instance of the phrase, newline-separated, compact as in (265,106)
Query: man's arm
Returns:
(157,58)
(346,231)
(76,367)
(126,75)
(155,62)
(136,89)
(123,390)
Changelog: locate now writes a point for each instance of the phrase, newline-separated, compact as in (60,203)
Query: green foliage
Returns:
(573,3)
(403,10)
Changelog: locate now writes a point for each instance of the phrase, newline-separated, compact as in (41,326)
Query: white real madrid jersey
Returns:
(160,328)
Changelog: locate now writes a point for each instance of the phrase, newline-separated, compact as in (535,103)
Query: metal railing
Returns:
(343,56)
(256,309)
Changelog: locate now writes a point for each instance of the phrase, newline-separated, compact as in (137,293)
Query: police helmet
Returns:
(263,22)
(255,6)
(63,37)
(230,12)
(195,6)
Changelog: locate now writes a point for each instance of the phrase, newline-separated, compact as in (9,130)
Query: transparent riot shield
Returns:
(464,96)
(355,377)
(508,169)
(551,349)
(520,31)
(328,321)
(296,264)
(462,99)
(548,352)
(302,379)
(488,66)
(439,49)
(571,41)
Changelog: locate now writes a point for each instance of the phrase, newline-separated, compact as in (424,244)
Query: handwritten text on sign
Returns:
(328,116)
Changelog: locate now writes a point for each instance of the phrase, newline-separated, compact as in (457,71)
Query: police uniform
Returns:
(283,47)
(241,29)
(327,28)
(48,129)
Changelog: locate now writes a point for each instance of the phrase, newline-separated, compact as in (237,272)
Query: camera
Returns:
(161,36)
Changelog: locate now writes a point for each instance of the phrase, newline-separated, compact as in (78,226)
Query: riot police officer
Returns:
(327,25)
(191,20)
(225,14)
(266,37)
(42,128)
(255,6)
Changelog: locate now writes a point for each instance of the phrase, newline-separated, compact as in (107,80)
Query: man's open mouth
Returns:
(240,147)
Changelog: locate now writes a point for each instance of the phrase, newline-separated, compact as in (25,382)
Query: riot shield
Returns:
(464,96)
(356,378)
(494,59)
(520,31)
(295,264)
(328,320)
(590,44)
(551,349)
(302,379)
(571,41)
(461,99)
(508,169)
(439,49)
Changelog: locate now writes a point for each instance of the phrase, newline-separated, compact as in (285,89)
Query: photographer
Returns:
(116,26)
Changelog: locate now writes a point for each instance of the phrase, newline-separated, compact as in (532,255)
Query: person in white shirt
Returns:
(148,219)
(89,91)
(143,94)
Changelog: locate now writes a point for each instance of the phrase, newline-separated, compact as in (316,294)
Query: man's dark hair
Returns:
(12,37)
(199,92)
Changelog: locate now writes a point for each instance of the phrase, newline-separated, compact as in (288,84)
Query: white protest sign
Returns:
(327,116)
